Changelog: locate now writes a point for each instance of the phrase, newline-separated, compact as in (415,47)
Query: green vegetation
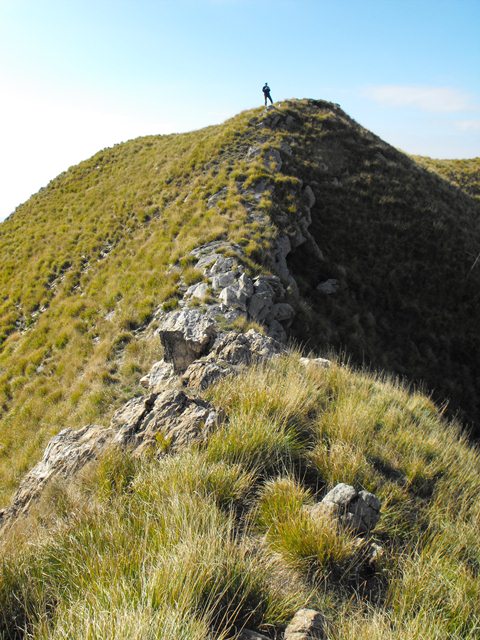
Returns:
(217,537)
(464,174)
(86,261)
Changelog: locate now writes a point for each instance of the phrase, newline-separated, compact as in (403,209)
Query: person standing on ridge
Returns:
(266,93)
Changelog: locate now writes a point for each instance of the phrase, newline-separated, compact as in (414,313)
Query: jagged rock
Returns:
(286,148)
(160,374)
(186,335)
(321,363)
(170,419)
(199,290)
(282,248)
(328,287)
(66,453)
(306,624)
(223,280)
(230,352)
(236,295)
(359,511)
(262,300)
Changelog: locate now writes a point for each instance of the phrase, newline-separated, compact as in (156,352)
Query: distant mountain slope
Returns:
(86,262)
(461,173)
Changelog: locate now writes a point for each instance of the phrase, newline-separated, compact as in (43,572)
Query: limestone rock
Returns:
(199,290)
(321,363)
(159,375)
(359,511)
(223,280)
(309,195)
(230,352)
(66,453)
(186,335)
(237,294)
(306,624)
(273,160)
(171,419)
(282,312)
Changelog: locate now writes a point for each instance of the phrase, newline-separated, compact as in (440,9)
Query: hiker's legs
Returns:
(270,98)
(265,99)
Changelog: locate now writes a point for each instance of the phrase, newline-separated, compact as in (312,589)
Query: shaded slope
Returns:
(401,244)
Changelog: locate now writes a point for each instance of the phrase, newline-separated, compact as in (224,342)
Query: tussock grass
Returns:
(220,536)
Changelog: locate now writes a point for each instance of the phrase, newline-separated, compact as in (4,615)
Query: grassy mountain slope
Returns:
(197,545)
(464,174)
(87,260)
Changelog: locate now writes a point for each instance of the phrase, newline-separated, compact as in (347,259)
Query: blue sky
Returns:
(79,75)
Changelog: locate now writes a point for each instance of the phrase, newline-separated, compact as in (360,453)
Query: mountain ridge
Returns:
(241,490)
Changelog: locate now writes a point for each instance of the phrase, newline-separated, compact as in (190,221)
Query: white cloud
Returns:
(468,125)
(440,99)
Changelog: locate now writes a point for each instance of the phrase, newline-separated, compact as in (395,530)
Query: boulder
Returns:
(306,624)
(186,335)
(357,510)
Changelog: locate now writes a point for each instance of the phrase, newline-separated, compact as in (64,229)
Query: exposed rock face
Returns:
(159,375)
(186,336)
(358,510)
(168,420)
(306,624)
(230,352)
(65,455)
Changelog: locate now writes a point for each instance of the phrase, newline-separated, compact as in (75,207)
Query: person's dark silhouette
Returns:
(266,93)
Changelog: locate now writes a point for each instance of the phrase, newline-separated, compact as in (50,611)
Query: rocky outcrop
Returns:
(231,352)
(357,510)
(197,337)
(186,336)
(167,418)
(163,422)
(67,453)
(306,624)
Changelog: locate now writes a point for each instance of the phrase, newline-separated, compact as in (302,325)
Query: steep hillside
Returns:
(464,174)
(236,531)
(87,262)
